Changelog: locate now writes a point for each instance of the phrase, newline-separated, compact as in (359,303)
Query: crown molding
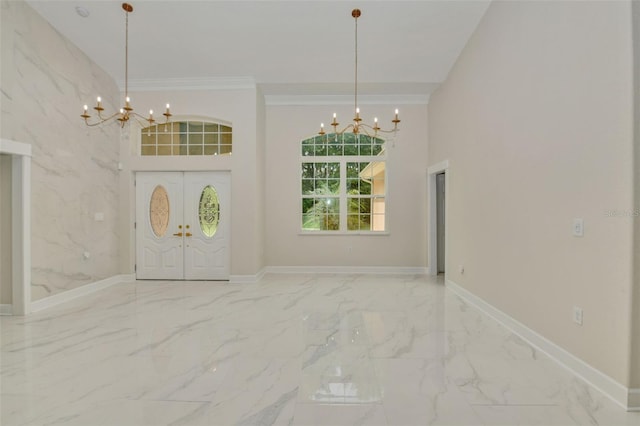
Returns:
(421,99)
(213,83)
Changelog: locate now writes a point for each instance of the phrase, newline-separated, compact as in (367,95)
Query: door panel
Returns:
(171,242)
(159,251)
(207,256)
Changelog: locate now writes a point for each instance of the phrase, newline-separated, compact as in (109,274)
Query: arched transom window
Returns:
(188,137)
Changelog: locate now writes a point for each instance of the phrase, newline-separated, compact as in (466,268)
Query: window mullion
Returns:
(343,194)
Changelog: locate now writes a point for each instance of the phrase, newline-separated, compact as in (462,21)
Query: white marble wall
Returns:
(45,81)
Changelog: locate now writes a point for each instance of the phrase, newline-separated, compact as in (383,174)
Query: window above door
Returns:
(187,138)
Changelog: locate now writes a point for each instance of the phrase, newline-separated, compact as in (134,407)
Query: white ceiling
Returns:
(287,47)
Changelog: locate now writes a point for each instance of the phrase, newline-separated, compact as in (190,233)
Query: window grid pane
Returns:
(186,138)
(320,179)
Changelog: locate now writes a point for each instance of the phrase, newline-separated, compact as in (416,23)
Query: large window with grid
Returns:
(189,137)
(343,184)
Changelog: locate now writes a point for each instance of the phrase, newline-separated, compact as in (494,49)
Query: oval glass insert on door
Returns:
(159,211)
(209,211)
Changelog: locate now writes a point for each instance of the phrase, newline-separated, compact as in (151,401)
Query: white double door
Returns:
(183,225)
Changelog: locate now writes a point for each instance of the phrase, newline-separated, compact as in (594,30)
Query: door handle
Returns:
(189,234)
(179,234)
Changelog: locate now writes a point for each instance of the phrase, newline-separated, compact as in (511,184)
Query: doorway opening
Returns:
(437,186)
(440,222)
(16,213)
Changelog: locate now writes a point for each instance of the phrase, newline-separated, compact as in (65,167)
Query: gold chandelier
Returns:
(357,126)
(126,112)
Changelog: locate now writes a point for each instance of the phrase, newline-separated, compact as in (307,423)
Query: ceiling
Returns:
(287,47)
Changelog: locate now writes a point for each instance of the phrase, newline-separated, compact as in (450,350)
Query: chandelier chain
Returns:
(126,55)
(356,67)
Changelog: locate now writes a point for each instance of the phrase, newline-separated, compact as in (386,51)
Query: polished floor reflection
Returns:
(289,350)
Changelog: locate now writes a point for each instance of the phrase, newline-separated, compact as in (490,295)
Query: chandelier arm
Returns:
(366,127)
(101,120)
(344,130)
(388,131)
(141,118)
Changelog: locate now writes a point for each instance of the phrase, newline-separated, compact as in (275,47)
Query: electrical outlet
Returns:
(577,315)
(578,227)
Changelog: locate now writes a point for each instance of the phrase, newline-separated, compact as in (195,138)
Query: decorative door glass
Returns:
(159,211)
(209,211)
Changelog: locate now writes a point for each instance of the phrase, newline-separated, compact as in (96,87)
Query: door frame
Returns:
(133,213)
(432,171)
(20,223)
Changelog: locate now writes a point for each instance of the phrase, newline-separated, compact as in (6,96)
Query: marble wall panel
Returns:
(45,81)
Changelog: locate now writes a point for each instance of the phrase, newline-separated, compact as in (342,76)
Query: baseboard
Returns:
(633,402)
(617,392)
(84,290)
(247,279)
(6,309)
(379,270)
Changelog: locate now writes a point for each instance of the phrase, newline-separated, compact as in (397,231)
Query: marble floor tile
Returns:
(299,349)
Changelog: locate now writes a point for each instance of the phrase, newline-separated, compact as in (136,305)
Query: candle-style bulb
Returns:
(150,112)
(127,105)
(167,113)
(395,121)
(86,108)
(335,123)
(99,99)
(357,119)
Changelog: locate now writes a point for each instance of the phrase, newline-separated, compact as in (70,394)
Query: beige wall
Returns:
(635,334)
(5,230)
(239,107)
(44,83)
(404,246)
(535,119)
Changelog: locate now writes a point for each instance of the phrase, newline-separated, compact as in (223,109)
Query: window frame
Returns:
(343,196)
(186,120)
